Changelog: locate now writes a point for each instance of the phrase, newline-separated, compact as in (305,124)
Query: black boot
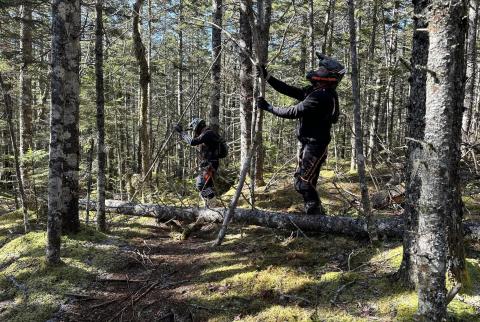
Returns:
(314,208)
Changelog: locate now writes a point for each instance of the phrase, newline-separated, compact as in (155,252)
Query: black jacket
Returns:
(208,143)
(317,110)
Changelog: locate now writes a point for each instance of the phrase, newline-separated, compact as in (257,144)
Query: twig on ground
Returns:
(339,290)
(298,229)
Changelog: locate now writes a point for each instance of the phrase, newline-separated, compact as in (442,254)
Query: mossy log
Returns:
(354,227)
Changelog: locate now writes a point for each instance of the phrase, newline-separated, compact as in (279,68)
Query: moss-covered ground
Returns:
(258,274)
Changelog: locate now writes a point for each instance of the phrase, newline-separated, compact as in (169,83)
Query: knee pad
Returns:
(301,186)
(200,183)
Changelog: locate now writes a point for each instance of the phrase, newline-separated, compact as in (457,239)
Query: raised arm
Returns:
(313,101)
(285,89)
(279,86)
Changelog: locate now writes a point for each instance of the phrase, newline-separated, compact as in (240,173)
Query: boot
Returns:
(314,208)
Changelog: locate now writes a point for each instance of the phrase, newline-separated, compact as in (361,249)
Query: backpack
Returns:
(222,150)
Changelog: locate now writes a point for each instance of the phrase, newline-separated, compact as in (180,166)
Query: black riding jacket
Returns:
(317,110)
(207,141)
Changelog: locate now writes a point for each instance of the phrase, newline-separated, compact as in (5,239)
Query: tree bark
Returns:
(140,55)
(71,116)
(469,101)
(64,64)
(358,125)
(246,87)
(99,86)
(415,133)
(26,127)
(11,129)
(217,66)
(391,228)
(439,198)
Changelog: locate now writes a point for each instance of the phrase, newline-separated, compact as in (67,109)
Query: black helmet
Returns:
(329,70)
(196,124)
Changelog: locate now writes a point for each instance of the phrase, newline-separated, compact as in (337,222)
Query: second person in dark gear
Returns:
(208,144)
(317,111)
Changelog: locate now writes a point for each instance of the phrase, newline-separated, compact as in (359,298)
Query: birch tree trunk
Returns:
(246,87)
(26,127)
(71,116)
(101,224)
(471,69)
(358,124)
(415,133)
(439,198)
(217,66)
(140,55)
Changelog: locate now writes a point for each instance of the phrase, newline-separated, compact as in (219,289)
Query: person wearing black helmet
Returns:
(316,111)
(207,142)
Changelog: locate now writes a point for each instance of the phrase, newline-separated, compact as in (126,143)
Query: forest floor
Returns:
(141,271)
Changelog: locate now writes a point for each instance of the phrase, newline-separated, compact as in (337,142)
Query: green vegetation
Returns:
(32,291)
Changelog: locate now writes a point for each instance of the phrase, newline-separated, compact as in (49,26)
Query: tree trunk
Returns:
(140,55)
(415,133)
(246,87)
(65,55)
(311,35)
(180,152)
(471,69)
(358,125)
(26,127)
(217,66)
(71,124)
(391,228)
(439,198)
(89,179)
(101,223)
(11,129)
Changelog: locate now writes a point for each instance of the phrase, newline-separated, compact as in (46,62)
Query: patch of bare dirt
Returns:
(158,274)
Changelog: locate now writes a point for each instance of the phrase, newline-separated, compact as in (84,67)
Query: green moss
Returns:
(82,259)
(281,313)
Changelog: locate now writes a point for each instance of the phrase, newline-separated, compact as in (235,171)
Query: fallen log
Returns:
(340,225)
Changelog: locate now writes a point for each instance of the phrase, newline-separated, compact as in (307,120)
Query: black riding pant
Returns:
(310,159)
(205,178)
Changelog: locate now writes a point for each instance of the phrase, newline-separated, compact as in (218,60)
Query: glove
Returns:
(178,128)
(263,104)
(262,70)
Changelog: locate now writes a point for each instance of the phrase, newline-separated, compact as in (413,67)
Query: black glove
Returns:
(262,70)
(263,104)
(178,128)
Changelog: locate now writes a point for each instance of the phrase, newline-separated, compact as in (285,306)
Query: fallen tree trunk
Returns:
(348,226)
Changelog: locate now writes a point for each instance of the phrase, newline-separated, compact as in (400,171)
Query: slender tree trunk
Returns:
(217,66)
(181,161)
(440,159)
(26,127)
(358,125)
(99,87)
(415,134)
(71,124)
(471,69)
(261,36)
(89,179)
(11,129)
(246,87)
(140,55)
(311,35)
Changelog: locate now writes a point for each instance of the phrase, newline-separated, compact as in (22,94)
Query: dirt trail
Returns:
(152,286)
